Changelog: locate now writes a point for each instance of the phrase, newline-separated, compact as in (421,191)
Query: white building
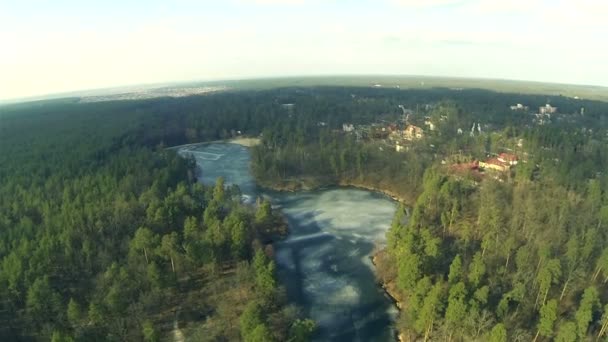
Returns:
(519,106)
(348,127)
(547,109)
(429,123)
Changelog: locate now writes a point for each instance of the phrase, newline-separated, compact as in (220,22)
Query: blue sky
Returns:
(66,45)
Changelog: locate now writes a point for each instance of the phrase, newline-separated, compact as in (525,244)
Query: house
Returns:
(508,158)
(547,109)
(412,132)
(379,132)
(429,123)
(392,128)
(502,163)
(469,169)
(542,118)
(348,127)
(494,164)
(519,107)
(459,167)
(399,147)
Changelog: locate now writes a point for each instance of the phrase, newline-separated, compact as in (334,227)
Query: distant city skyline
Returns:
(68,45)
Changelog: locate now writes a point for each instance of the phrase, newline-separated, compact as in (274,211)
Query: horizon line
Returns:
(156,85)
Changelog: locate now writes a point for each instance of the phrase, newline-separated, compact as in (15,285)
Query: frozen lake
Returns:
(325,261)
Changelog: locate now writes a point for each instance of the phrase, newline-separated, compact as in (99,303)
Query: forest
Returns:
(496,262)
(106,235)
(517,258)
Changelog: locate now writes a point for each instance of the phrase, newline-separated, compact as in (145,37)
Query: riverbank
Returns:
(241,140)
(337,209)
(316,183)
(244,141)
(382,266)
(361,185)
(389,284)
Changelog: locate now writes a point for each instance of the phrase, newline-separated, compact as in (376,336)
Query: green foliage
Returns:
(96,316)
(456,309)
(42,302)
(252,324)
(74,313)
(261,333)
(566,332)
(430,310)
(219,192)
(149,332)
(263,214)
(301,330)
(264,274)
(498,333)
(101,227)
(548,315)
(455,274)
(477,269)
(584,314)
(514,244)
(61,337)
(409,271)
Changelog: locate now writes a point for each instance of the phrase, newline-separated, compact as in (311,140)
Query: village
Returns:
(416,129)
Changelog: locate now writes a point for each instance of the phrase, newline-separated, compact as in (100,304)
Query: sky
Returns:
(69,45)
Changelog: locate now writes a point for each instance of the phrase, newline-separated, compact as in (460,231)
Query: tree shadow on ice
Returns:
(304,223)
(293,276)
(358,320)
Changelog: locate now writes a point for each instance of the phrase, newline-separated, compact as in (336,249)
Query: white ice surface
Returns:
(326,257)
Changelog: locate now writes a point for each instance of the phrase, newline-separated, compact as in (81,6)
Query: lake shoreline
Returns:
(314,184)
(244,141)
(389,287)
(322,183)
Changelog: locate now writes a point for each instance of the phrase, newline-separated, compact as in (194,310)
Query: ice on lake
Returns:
(325,261)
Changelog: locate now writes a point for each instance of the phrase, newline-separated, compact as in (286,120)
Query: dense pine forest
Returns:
(513,257)
(106,235)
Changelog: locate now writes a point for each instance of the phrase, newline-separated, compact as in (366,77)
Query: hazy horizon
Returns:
(68,46)
(117,89)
